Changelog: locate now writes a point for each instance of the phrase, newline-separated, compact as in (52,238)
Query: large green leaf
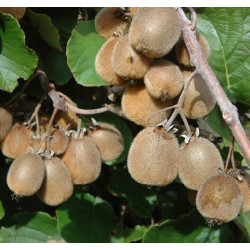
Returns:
(30,228)
(140,197)
(243,222)
(2,212)
(228,33)
(190,228)
(84,218)
(16,60)
(81,52)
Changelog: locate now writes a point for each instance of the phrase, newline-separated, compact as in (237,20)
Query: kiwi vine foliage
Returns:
(114,208)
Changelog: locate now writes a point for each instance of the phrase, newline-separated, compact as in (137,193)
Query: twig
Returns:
(229,155)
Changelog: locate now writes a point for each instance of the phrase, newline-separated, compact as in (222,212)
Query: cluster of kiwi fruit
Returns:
(145,52)
(73,158)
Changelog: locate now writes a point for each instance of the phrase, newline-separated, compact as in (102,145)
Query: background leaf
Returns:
(16,60)
(2,212)
(243,222)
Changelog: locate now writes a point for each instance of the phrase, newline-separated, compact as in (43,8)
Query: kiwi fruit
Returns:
(17,141)
(182,53)
(5,122)
(133,9)
(26,174)
(103,64)
(164,80)
(66,119)
(199,160)
(244,186)
(57,185)
(219,199)
(35,144)
(127,63)
(153,156)
(109,21)
(191,195)
(199,100)
(59,141)
(138,106)
(16,12)
(154,31)
(109,141)
(83,160)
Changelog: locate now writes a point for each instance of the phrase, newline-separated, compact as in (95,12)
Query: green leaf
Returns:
(228,33)
(84,218)
(141,199)
(57,67)
(2,212)
(189,228)
(134,234)
(243,222)
(46,29)
(81,52)
(30,228)
(16,60)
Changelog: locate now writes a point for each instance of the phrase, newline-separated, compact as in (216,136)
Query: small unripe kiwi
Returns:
(182,53)
(219,199)
(244,186)
(154,31)
(199,100)
(83,160)
(5,122)
(17,141)
(127,63)
(199,160)
(164,80)
(26,174)
(103,64)
(16,12)
(66,119)
(153,157)
(57,185)
(109,141)
(59,141)
(138,106)
(109,22)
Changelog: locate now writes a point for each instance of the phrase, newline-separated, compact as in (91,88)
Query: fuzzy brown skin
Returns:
(219,199)
(127,63)
(182,52)
(17,141)
(164,80)
(108,24)
(26,174)
(154,31)
(64,118)
(199,160)
(199,100)
(57,186)
(5,122)
(16,12)
(153,156)
(103,64)
(138,106)
(133,9)
(244,186)
(83,160)
(59,141)
(109,141)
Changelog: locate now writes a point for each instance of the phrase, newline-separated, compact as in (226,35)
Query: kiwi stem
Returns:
(184,119)
(193,27)
(229,155)
(79,126)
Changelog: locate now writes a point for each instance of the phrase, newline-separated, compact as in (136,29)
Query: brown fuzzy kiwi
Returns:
(133,9)
(109,141)
(191,195)
(155,31)
(199,160)
(17,141)
(153,157)
(66,119)
(59,141)
(83,160)
(5,122)
(109,22)
(182,53)
(26,174)
(219,199)
(164,80)
(127,63)
(199,100)
(35,144)
(244,186)
(16,12)
(57,185)
(138,106)
(103,64)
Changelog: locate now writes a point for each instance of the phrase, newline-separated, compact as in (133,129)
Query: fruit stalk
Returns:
(229,111)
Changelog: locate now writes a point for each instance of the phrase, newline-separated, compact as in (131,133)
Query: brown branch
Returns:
(229,111)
